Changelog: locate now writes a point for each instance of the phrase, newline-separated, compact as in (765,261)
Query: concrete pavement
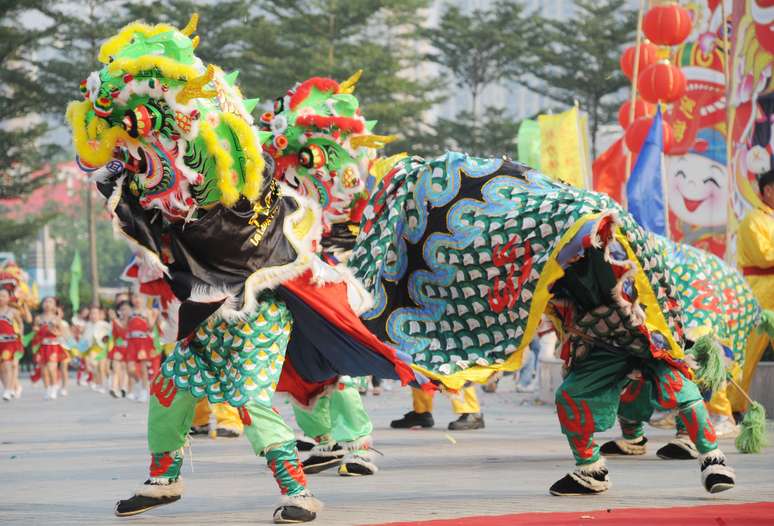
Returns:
(67,461)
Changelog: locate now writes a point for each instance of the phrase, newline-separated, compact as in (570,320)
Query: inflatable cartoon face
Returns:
(179,132)
(697,189)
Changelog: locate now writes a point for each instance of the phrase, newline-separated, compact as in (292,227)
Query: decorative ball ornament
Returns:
(648,56)
(661,82)
(638,132)
(641,109)
(668,24)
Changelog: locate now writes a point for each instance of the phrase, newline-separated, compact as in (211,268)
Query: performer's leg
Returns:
(229,424)
(756,346)
(351,429)
(271,437)
(170,413)
(422,401)
(675,391)
(316,423)
(587,401)
(201,420)
(634,409)
(422,413)
(719,407)
(466,405)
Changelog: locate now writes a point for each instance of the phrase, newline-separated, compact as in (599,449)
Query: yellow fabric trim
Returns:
(654,318)
(254,163)
(113,45)
(93,144)
(170,69)
(223,164)
(552,272)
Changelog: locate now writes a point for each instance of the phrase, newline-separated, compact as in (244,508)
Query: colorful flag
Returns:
(562,147)
(610,170)
(645,187)
(528,143)
(75,282)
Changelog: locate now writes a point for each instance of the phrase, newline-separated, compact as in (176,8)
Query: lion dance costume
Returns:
(230,251)
(463,255)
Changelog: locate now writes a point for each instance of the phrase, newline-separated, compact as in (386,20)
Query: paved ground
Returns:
(66,462)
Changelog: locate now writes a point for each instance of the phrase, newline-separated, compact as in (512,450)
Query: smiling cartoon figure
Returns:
(698,191)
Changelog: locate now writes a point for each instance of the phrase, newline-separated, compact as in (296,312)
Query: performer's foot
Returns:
(305,444)
(7,395)
(679,448)
(150,495)
(357,464)
(588,479)
(298,508)
(199,430)
(227,433)
(715,475)
(322,457)
(624,446)
(468,421)
(413,419)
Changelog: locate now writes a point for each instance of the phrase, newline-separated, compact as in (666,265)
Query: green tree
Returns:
(577,58)
(478,49)
(23,127)
(292,40)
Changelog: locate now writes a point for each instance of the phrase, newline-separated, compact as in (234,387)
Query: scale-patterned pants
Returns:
(236,363)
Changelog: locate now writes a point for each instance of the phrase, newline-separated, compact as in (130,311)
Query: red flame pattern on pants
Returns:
(579,430)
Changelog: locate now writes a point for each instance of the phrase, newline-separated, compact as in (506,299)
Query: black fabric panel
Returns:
(316,345)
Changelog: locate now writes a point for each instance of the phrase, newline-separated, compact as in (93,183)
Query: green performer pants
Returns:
(337,417)
(238,363)
(591,396)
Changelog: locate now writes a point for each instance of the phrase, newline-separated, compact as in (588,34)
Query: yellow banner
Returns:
(564,147)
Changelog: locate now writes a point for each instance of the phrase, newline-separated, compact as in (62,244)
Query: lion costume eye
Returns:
(312,156)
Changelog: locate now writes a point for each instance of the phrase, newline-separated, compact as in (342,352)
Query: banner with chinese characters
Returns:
(697,164)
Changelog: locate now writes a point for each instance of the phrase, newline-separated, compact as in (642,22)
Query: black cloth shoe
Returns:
(715,475)
(413,419)
(305,444)
(468,421)
(293,515)
(226,433)
(678,449)
(199,430)
(581,483)
(320,460)
(624,447)
(137,504)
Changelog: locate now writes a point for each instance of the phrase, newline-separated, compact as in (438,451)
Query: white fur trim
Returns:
(715,454)
(161,489)
(362,458)
(303,500)
(685,443)
(714,469)
(583,475)
(594,467)
(630,448)
(326,450)
(365,442)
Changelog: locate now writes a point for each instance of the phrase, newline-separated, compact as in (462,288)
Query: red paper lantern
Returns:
(661,82)
(667,25)
(638,131)
(648,56)
(641,109)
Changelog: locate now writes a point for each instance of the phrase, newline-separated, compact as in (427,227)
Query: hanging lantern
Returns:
(638,132)
(647,57)
(667,25)
(661,82)
(641,109)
